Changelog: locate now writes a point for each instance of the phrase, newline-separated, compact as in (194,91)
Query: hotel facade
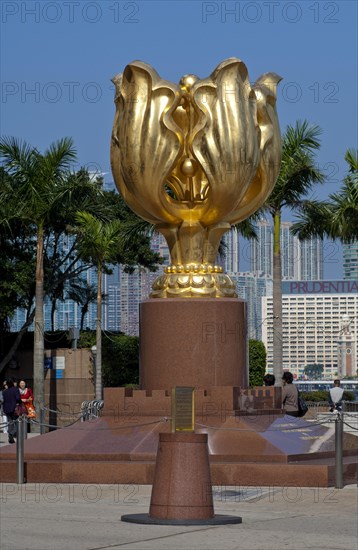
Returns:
(320,326)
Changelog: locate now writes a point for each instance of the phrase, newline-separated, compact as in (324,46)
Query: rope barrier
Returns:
(89,407)
(165,419)
(63,413)
(278,429)
(349,426)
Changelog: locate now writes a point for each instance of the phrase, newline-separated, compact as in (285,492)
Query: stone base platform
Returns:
(246,449)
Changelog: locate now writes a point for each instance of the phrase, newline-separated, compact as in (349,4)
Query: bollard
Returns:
(42,420)
(20,469)
(85,411)
(339,450)
(100,407)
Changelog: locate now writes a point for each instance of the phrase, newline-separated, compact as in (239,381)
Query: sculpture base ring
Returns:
(193,285)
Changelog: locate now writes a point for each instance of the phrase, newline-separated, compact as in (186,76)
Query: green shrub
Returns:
(257,362)
(120,360)
(348,396)
(315,396)
(87,339)
(322,395)
(120,357)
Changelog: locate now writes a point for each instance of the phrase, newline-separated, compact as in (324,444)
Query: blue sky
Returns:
(58,58)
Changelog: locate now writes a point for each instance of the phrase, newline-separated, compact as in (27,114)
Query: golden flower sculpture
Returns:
(194,159)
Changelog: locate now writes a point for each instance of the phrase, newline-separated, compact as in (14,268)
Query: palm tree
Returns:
(336,218)
(55,295)
(100,242)
(83,294)
(297,176)
(40,186)
(16,260)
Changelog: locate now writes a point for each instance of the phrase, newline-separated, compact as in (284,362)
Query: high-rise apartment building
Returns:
(350,261)
(261,250)
(252,287)
(127,290)
(111,313)
(310,260)
(231,249)
(300,260)
(290,253)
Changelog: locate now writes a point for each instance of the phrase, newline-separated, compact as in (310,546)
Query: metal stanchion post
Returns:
(42,420)
(339,450)
(85,410)
(20,469)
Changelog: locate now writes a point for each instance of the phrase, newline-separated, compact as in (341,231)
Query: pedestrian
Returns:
(11,398)
(335,396)
(27,396)
(269,380)
(289,395)
(3,417)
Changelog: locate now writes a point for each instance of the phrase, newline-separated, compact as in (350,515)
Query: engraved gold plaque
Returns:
(182,409)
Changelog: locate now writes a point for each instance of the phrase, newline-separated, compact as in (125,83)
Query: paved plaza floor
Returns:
(88,517)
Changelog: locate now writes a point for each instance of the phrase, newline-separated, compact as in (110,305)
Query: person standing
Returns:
(3,417)
(335,396)
(11,397)
(289,395)
(26,394)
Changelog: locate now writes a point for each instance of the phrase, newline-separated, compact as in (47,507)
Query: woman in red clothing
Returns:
(27,398)
(26,393)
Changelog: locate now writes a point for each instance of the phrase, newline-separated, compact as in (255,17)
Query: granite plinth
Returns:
(193,342)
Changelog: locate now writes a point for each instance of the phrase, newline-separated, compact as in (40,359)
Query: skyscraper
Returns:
(230,262)
(311,260)
(252,287)
(300,260)
(261,250)
(290,253)
(350,261)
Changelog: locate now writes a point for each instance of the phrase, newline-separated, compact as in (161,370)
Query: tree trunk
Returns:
(98,378)
(277,301)
(83,313)
(39,325)
(53,309)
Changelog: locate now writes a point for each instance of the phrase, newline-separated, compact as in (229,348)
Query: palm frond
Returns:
(351,157)
(17,157)
(299,172)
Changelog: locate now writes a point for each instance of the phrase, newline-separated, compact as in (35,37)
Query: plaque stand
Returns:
(182,492)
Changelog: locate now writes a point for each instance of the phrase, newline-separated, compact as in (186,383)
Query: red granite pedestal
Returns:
(193,342)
